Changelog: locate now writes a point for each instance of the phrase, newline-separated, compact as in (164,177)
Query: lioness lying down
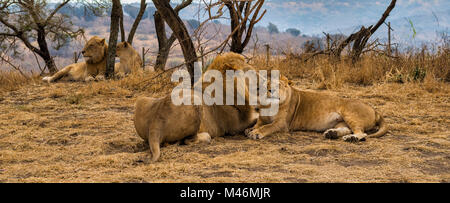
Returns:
(94,67)
(314,111)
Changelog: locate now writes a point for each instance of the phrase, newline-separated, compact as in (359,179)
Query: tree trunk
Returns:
(137,21)
(181,33)
(114,31)
(44,52)
(164,44)
(122,28)
(361,37)
(236,38)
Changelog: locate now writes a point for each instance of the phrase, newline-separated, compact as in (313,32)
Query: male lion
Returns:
(218,120)
(130,61)
(159,120)
(307,110)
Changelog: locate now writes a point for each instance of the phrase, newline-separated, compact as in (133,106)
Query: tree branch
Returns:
(56,10)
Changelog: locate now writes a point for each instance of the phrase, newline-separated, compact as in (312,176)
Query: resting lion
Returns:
(218,120)
(94,67)
(130,61)
(313,111)
(159,120)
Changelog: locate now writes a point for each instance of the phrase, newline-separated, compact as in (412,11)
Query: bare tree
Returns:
(116,11)
(179,29)
(361,37)
(136,22)
(242,12)
(165,43)
(122,28)
(135,25)
(32,20)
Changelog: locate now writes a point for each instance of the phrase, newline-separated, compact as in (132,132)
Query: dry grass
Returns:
(371,69)
(83,132)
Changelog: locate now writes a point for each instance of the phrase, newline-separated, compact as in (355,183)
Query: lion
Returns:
(158,120)
(313,111)
(219,120)
(130,61)
(93,68)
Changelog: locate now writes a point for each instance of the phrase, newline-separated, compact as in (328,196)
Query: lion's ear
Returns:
(126,44)
(102,41)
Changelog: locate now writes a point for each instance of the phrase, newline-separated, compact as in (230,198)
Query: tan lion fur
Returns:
(94,67)
(218,120)
(314,111)
(130,61)
(158,120)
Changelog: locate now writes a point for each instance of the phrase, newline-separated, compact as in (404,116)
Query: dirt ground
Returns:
(51,133)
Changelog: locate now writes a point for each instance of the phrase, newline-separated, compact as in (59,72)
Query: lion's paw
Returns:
(47,79)
(89,78)
(204,137)
(354,138)
(331,134)
(247,131)
(100,77)
(254,134)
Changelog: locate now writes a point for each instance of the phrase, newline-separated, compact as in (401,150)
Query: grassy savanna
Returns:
(83,132)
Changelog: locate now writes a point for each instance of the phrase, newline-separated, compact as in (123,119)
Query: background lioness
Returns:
(130,61)
(94,67)
(306,110)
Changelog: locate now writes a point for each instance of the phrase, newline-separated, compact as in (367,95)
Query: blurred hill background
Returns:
(292,23)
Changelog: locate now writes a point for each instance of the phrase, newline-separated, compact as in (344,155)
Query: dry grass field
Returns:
(83,132)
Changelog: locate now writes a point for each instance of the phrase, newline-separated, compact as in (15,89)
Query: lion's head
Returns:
(95,50)
(124,49)
(284,93)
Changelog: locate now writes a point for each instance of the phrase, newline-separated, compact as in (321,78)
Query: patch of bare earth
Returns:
(60,133)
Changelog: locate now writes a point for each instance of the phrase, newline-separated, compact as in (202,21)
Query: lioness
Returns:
(307,110)
(159,120)
(93,68)
(130,61)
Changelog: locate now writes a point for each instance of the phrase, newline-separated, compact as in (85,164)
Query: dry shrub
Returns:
(431,69)
(152,83)
(13,80)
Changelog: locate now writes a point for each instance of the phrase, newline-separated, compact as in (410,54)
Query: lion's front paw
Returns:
(255,134)
(331,134)
(120,75)
(354,138)
(247,131)
(100,77)
(89,78)
(204,137)
(47,79)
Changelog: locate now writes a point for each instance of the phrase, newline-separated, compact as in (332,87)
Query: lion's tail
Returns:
(382,127)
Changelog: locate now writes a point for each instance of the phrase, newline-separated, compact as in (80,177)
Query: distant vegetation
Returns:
(273,29)
(294,32)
